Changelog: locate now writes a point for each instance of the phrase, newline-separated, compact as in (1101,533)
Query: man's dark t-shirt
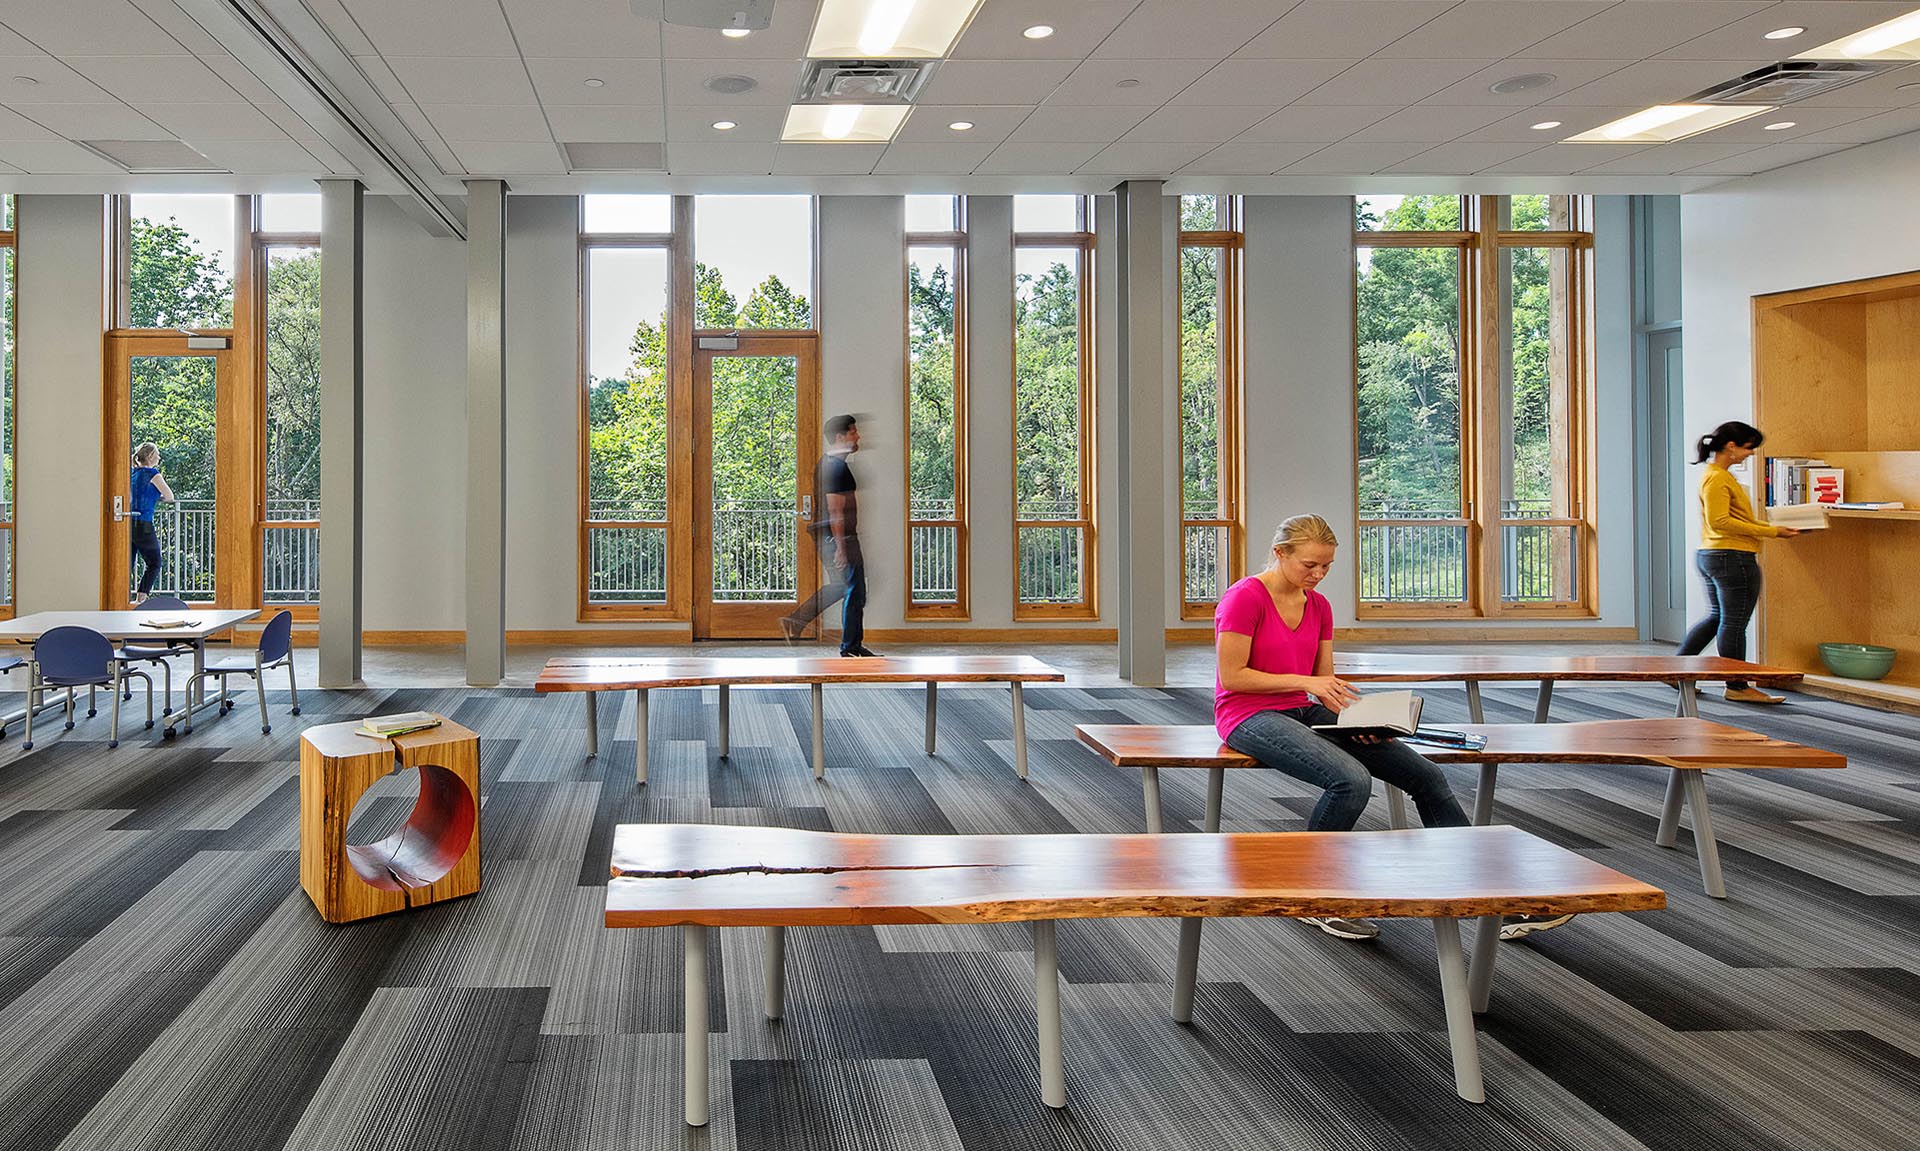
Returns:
(836,479)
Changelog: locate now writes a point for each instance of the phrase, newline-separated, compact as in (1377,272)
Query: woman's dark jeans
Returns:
(1283,740)
(146,545)
(1733,587)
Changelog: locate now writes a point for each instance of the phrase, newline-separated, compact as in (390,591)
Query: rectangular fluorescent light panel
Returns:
(843,123)
(1664,123)
(888,29)
(1897,39)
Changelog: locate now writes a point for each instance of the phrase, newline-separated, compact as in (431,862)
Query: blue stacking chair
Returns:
(276,648)
(156,653)
(70,657)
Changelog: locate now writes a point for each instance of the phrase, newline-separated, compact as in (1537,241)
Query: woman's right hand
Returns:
(1789,533)
(1335,694)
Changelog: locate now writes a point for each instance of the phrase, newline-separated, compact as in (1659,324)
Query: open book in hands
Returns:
(1396,714)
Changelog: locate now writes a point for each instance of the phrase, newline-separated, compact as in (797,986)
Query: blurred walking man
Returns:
(838,531)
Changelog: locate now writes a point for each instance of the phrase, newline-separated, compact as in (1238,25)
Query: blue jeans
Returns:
(853,628)
(1283,740)
(1733,587)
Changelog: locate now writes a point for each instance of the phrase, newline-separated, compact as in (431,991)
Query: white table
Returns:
(121,626)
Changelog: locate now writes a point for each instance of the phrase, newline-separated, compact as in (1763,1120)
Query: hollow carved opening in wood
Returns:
(430,842)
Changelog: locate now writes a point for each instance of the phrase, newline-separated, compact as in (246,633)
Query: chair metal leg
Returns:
(1046,999)
(1486,944)
(776,972)
(1669,833)
(1186,970)
(293,684)
(92,706)
(1703,842)
(1483,795)
(1457,999)
(260,693)
(1150,788)
(113,724)
(33,695)
(1474,711)
(69,712)
(695,1024)
(1216,791)
(166,698)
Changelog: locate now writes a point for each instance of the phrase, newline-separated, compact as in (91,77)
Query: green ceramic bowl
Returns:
(1857,660)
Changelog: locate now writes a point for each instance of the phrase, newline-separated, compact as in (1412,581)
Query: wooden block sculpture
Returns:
(433,856)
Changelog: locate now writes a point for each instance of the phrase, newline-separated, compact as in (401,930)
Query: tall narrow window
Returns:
(936,408)
(8,269)
(287,278)
(626,405)
(1053,408)
(1211,547)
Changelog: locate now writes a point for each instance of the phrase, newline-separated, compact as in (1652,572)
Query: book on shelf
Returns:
(1790,480)
(1869,506)
(1826,485)
(387,726)
(1801,517)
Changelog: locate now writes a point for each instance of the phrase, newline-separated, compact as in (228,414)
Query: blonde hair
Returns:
(1303,529)
(146,451)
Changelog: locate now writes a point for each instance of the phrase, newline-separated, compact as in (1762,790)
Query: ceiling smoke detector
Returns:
(730,85)
(1526,83)
(863,81)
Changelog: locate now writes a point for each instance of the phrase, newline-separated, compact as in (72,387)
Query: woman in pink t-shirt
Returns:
(1274,647)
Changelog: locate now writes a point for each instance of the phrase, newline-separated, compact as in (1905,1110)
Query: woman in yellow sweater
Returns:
(1728,558)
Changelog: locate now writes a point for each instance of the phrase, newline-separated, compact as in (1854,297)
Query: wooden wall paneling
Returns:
(1893,374)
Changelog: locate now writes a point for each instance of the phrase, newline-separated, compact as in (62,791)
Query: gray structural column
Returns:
(486,432)
(1143,394)
(342,443)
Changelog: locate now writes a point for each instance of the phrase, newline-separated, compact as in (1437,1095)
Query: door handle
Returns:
(806,506)
(119,509)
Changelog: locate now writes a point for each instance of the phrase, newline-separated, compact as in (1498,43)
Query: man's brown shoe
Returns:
(1752,695)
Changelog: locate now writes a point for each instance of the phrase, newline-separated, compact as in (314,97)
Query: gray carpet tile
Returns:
(164,982)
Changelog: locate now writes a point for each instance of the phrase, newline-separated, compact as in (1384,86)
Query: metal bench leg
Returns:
(1046,999)
(1474,711)
(1186,970)
(1019,732)
(1456,997)
(1703,841)
(1150,785)
(1669,833)
(293,683)
(1396,808)
(726,721)
(113,725)
(695,1024)
(776,972)
(640,742)
(1486,944)
(1483,795)
(1543,702)
(1689,699)
(933,709)
(1216,788)
(819,732)
(593,724)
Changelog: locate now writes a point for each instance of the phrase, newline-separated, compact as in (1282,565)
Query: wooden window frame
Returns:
(9,240)
(955,241)
(679,334)
(1479,247)
(1082,242)
(259,243)
(1231,242)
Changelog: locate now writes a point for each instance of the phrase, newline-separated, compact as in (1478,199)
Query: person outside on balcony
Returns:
(838,503)
(148,490)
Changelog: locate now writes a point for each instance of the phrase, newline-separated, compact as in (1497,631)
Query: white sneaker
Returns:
(1343,928)
(1521,926)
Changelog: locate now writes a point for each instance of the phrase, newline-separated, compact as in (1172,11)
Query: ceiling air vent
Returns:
(1791,80)
(615,157)
(157,156)
(864,81)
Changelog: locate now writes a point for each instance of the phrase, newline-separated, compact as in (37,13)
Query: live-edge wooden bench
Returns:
(1687,746)
(702,876)
(594,674)
(1684,672)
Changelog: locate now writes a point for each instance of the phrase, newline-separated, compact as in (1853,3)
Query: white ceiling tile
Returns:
(1098,81)
(333,16)
(1016,158)
(44,80)
(906,157)
(489,123)
(1517,127)
(745,159)
(1873,127)
(1666,159)
(1270,82)
(588,28)
(137,78)
(434,27)
(564,81)
(695,122)
(1180,123)
(14,44)
(1806,123)
(776,82)
(458,79)
(927,123)
(1078,124)
(506,159)
(1649,82)
(10,170)
(14,126)
(1139,159)
(261,156)
(1899,88)
(1341,29)
(1641,28)
(826,159)
(88,28)
(1567,75)
(1317,123)
(1078,28)
(423,131)
(245,84)
(1190,28)
(785,39)
(1560,159)
(991,81)
(1458,159)
(1241,158)
(1478,29)
(1432,124)
(380,75)
(213,121)
(97,122)
(1392,81)
(1824,20)
(1350,159)
(1764,159)
(595,124)
(179,27)
(53,157)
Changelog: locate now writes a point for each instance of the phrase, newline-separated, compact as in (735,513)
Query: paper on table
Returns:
(1805,517)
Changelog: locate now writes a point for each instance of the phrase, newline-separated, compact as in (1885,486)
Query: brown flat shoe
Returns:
(1752,695)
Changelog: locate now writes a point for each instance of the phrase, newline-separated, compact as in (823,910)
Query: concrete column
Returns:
(342,448)
(1144,392)
(486,432)
(990,531)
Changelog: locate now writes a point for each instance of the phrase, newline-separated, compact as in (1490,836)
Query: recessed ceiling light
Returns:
(1784,33)
(1126,83)
(1545,124)
(736,33)
(887,29)
(961,125)
(1038,32)
(1523,83)
(1781,126)
(843,123)
(594,82)
(1896,39)
(1663,123)
(724,125)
